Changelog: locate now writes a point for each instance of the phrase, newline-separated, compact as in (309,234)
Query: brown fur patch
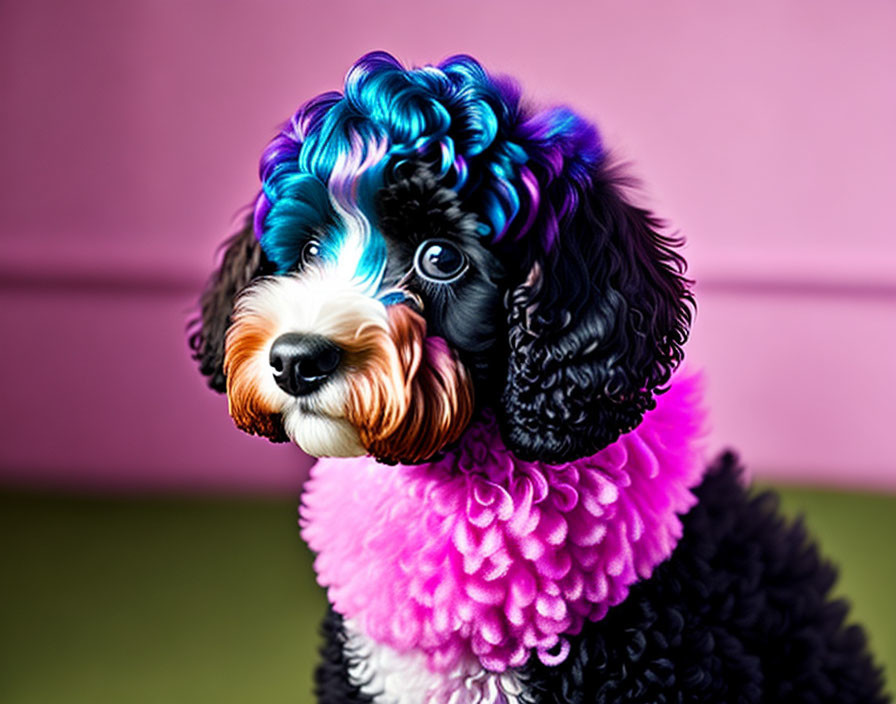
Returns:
(410,397)
(246,340)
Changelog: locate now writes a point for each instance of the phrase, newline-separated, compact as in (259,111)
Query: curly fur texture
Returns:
(597,304)
(741,612)
(480,553)
(600,321)
(332,684)
(470,314)
(503,324)
(386,674)
(242,261)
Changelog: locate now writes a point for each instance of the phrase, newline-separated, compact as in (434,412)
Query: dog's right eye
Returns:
(310,252)
(440,261)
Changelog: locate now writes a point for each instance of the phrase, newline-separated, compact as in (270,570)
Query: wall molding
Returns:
(877,282)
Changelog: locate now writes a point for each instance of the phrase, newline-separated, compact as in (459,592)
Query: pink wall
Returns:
(130,134)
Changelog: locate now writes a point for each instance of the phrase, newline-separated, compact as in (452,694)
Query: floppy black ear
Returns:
(596,326)
(242,261)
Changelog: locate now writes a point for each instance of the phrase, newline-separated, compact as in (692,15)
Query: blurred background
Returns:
(148,550)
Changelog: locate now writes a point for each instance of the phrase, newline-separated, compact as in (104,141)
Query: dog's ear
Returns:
(596,323)
(242,261)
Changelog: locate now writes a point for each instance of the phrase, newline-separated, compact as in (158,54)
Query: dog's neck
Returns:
(482,555)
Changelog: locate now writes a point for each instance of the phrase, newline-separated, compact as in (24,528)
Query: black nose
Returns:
(302,363)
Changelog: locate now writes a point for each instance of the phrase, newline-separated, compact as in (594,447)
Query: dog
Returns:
(450,297)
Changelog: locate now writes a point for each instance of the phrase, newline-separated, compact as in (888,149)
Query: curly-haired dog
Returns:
(452,290)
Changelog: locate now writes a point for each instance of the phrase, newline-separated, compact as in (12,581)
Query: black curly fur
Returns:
(331,681)
(467,313)
(741,612)
(596,329)
(242,261)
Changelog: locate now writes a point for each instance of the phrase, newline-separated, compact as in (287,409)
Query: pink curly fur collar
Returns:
(480,553)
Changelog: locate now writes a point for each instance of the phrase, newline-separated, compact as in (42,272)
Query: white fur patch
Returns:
(320,303)
(391,677)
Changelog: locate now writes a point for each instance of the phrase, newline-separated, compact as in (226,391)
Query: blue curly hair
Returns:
(322,172)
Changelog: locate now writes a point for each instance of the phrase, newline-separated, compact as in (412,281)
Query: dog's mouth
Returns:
(322,436)
(319,428)
(390,391)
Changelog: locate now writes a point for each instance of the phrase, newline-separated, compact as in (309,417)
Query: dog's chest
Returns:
(390,677)
(482,556)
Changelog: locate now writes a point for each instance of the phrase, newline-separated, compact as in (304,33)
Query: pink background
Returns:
(130,134)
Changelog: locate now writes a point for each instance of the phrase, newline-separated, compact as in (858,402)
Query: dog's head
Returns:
(425,247)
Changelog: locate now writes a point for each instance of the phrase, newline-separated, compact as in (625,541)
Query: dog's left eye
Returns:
(439,261)
(310,252)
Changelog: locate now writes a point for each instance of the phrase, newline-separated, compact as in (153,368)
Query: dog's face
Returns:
(423,249)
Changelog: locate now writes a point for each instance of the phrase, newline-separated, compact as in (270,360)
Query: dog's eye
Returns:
(310,252)
(439,261)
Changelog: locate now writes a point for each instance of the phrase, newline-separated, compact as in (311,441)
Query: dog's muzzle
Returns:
(302,362)
(314,359)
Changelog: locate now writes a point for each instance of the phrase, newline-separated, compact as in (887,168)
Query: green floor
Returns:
(213,600)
